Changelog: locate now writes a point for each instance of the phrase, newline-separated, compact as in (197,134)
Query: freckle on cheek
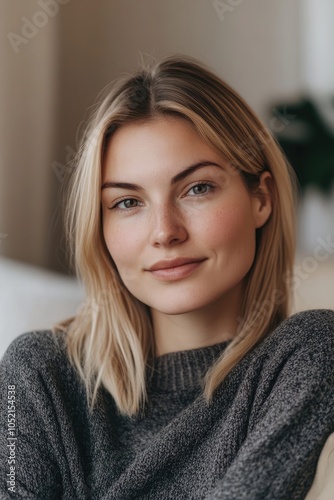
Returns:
(227,221)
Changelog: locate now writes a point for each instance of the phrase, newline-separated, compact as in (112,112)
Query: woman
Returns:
(182,376)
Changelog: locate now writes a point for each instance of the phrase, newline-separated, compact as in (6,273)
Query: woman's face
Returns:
(173,197)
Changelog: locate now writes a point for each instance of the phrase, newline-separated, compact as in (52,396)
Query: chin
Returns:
(179,305)
(174,311)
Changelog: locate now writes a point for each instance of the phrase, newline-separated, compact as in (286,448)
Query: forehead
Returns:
(158,144)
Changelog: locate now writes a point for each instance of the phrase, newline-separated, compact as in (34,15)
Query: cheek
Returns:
(229,227)
(115,242)
(123,246)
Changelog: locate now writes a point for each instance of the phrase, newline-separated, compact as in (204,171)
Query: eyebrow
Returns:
(177,178)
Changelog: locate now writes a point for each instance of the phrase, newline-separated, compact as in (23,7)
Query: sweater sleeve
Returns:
(31,441)
(293,414)
(323,485)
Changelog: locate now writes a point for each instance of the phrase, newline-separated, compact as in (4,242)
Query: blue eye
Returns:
(208,185)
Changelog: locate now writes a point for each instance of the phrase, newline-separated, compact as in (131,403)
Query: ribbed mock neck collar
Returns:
(176,371)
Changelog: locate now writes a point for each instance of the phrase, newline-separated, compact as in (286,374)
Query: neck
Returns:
(214,323)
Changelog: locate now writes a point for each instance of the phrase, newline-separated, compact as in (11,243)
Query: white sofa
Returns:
(32,298)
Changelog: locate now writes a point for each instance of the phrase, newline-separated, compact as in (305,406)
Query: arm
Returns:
(292,417)
(38,411)
(323,484)
(28,460)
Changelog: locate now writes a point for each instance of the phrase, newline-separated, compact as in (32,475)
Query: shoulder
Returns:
(302,344)
(313,328)
(35,350)
(313,320)
(301,347)
(37,365)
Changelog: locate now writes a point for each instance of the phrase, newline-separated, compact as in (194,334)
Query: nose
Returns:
(168,227)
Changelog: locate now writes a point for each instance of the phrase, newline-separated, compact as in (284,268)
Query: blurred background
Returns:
(57,55)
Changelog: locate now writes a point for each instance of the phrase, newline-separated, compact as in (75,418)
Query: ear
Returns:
(263,199)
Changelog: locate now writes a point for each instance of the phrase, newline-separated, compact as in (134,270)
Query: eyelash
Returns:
(116,205)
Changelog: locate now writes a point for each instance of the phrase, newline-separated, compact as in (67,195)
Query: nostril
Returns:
(167,234)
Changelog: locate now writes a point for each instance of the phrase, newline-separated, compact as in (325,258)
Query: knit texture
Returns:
(259,438)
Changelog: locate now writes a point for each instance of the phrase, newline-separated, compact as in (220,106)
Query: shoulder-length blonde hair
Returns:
(110,340)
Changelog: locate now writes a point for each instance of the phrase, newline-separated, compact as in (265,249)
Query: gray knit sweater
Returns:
(260,438)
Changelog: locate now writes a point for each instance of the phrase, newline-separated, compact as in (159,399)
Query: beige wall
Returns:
(27,91)
(49,84)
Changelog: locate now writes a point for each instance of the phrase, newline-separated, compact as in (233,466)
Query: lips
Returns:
(168,264)
(175,269)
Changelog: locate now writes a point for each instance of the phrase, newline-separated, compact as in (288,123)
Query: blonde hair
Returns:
(110,341)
